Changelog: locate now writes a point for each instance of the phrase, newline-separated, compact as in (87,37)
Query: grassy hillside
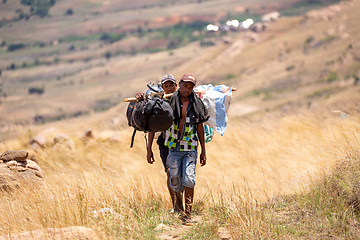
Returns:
(271,179)
(81,62)
(286,168)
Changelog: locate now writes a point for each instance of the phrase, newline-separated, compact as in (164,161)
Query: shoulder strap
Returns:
(132,138)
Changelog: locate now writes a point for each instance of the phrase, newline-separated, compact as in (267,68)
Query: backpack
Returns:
(149,115)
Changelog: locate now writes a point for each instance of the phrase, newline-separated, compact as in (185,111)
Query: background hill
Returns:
(84,56)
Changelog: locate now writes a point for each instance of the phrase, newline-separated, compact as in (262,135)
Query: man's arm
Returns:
(201,135)
(150,155)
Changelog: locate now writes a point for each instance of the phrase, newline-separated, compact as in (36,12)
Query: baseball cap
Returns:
(168,77)
(189,77)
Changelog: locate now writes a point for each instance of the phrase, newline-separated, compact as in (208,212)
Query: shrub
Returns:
(39,7)
(308,41)
(112,37)
(28,2)
(207,43)
(69,12)
(15,46)
(12,66)
(332,77)
(289,68)
(107,55)
(71,48)
(36,90)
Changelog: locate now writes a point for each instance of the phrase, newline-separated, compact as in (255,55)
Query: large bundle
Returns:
(153,114)
(217,101)
(150,115)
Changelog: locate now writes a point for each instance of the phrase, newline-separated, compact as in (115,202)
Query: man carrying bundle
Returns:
(168,84)
(182,139)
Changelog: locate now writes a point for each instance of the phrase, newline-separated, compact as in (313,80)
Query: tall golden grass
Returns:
(266,178)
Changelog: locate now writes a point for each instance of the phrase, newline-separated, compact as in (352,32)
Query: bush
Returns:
(36,90)
(112,37)
(107,55)
(289,68)
(207,43)
(12,66)
(39,7)
(28,2)
(308,41)
(15,46)
(332,77)
(69,12)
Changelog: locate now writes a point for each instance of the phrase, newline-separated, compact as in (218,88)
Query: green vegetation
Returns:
(332,77)
(107,55)
(290,68)
(39,7)
(325,92)
(308,42)
(15,46)
(69,12)
(111,37)
(183,33)
(36,90)
(73,38)
(303,6)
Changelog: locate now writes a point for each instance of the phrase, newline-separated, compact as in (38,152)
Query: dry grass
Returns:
(272,176)
(258,182)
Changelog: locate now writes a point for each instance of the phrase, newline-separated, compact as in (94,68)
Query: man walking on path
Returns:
(168,84)
(182,139)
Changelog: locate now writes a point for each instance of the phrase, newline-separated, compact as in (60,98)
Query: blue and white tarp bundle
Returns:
(217,101)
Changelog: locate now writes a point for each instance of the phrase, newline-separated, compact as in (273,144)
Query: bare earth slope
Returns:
(294,62)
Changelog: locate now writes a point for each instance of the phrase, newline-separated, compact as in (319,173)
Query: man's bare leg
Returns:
(176,198)
(189,198)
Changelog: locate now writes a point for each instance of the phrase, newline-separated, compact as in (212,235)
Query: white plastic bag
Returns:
(217,101)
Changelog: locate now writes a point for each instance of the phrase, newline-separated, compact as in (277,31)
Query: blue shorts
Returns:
(182,169)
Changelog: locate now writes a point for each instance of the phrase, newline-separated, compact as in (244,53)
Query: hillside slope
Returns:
(288,159)
(296,62)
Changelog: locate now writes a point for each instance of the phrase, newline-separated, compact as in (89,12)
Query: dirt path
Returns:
(178,231)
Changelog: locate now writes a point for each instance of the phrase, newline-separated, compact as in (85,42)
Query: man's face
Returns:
(186,88)
(169,87)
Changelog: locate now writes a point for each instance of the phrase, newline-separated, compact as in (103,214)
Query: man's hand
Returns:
(139,96)
(202,159)
(150,157)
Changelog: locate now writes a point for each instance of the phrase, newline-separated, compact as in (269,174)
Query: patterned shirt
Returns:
(188,140)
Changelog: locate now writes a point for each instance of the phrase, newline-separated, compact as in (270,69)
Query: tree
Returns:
(15,46)
(69,12)
(107,55)
(112,37)
(27,2)
(12,66)
(36,90)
